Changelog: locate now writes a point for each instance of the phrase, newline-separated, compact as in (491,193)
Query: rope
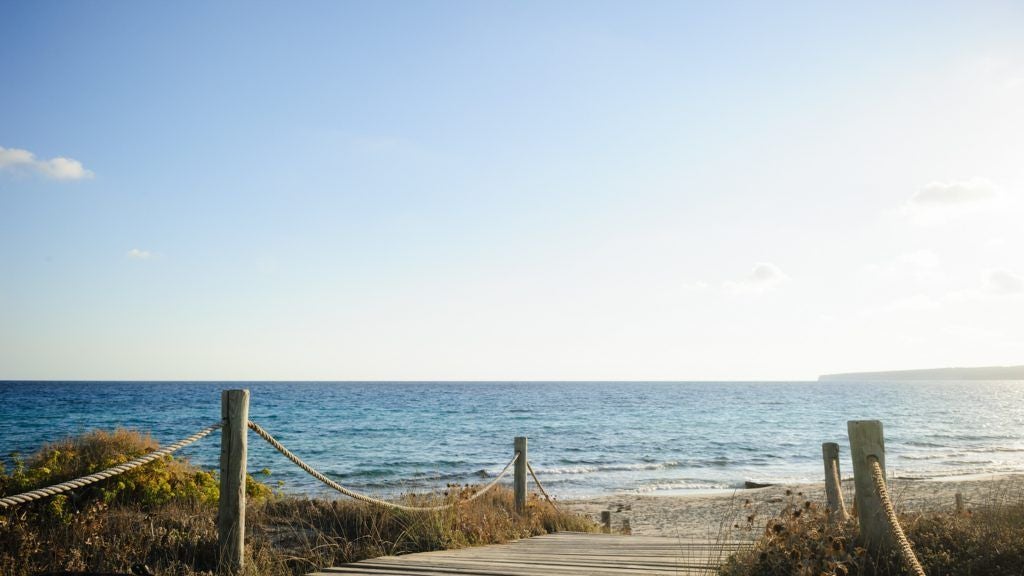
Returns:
(841,513)
(104,474)
(541,487)
(363,497)
(894,524)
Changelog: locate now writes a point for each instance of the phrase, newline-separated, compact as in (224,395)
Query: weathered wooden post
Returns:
(833,487)
(867,440)
(959,504)
(519,487)
(606,520)
(234,410)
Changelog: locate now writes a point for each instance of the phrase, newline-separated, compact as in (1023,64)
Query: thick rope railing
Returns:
(841,514)
(363,497)
(541,488)
(104,474)
(894,524)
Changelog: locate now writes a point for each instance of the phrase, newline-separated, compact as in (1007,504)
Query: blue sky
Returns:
(483,190)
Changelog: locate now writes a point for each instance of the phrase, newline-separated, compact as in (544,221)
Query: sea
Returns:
(585,438)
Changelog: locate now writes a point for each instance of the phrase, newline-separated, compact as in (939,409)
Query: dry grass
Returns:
(164,517)
(798,541)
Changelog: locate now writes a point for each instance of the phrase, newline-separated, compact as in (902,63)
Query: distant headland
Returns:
(976,373)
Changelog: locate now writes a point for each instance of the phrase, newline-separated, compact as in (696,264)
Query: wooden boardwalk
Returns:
(570,554)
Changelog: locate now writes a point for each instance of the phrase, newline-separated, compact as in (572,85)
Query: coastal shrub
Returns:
(157,483)
(984,541)
(163,516)
(313,533)
(285,536)
(799,540)
(178,537)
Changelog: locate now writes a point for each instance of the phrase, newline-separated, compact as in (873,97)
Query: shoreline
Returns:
(741,514)
(894,476)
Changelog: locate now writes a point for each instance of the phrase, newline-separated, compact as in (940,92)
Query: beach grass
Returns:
(799,540)
(162,516)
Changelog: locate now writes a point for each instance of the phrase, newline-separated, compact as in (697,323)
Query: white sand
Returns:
(744,513)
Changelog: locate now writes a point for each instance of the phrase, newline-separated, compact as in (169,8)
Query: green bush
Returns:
(164,514)
(150,485)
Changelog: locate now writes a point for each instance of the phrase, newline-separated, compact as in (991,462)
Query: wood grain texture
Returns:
(233,448)
(562,554)
(519,483)
(867,439)
(833,489)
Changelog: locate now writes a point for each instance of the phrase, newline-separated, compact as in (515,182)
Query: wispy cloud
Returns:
(939,202)
(938,194)
(763,277)
(58,168)
(1001,281)
(136,254)
(997,283)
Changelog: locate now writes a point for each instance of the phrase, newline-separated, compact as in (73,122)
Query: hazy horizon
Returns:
(467,191)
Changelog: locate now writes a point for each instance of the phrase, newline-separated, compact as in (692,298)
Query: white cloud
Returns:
(763,277)
(939,194)
(136,254)
(998,282)
(1004,282)
(59,168)
(939,202)
(14,157)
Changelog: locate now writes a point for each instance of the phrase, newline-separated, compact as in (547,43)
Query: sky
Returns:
(509,190)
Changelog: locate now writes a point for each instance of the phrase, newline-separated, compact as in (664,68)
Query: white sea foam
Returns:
(587,469)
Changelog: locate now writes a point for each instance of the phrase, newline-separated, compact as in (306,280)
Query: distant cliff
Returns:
(981,373)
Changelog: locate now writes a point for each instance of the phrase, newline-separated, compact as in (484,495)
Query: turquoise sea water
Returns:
(585,438)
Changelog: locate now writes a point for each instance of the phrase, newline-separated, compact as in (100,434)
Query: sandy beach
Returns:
(742,513)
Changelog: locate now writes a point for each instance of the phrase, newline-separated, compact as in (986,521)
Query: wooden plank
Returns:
(564,554)
(548,568)
(551,560)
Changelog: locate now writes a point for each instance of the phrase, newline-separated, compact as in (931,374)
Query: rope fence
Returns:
(108,473)
(841,514)
(877,517)
(906,550)
(113,471)
(231,506)
(363,497)
(541,487)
